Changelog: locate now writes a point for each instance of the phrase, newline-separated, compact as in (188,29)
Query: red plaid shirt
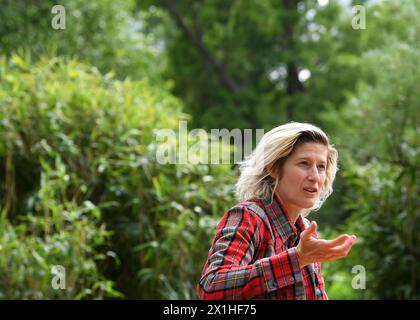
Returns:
(253,256)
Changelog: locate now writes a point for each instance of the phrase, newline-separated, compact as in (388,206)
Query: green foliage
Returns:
(383,200)
(102,133)
(104,33)
(262,46)
(239,35)
(80,185)
(378,130)
(338,275)
(56,232)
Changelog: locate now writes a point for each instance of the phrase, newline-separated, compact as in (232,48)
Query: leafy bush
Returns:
(338,274)
(378,131)
(104,33)
(54,233)
(101,132)
(383,199)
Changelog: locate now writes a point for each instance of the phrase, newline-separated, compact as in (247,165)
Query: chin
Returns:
(307,204)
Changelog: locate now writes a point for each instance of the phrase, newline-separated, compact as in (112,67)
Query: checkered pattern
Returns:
(253,256)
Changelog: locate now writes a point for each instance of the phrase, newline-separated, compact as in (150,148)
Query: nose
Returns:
(314,174)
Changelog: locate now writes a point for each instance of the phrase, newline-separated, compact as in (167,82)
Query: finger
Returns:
(315,227)
(343,250)
(337,241)
(306,234)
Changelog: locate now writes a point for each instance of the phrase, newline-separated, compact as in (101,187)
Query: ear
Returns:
(271,169)
(275,169)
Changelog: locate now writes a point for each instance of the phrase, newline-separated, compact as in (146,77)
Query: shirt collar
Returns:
(281,220)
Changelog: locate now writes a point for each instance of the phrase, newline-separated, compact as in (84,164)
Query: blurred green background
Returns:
(79,108)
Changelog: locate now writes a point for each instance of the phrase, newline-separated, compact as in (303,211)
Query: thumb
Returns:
(306,234)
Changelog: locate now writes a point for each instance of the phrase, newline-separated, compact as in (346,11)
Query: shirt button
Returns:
(291,279)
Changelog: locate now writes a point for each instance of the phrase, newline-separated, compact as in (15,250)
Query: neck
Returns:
(292,212)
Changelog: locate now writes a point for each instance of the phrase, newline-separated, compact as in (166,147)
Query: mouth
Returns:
(311,190)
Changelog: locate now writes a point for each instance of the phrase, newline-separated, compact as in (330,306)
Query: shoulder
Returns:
(250,214)
(246,212)
(253,207)
(247,219)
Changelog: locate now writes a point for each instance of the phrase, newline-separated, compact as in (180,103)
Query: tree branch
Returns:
(293,85)
(196,40)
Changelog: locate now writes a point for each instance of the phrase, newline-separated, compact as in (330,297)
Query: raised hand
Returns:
(311,250)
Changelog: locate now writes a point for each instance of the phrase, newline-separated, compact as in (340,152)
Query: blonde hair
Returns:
(272,151)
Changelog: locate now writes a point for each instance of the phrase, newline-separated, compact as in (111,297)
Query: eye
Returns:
(322,167)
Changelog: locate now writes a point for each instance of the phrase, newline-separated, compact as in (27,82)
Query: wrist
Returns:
(300,258)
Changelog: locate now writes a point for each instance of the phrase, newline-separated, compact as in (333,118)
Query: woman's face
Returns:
(303,176)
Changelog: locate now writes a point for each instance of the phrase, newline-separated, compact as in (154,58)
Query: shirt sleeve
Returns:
(231,272)
(321,282)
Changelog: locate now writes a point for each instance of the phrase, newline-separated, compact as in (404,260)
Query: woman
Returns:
(264,247)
